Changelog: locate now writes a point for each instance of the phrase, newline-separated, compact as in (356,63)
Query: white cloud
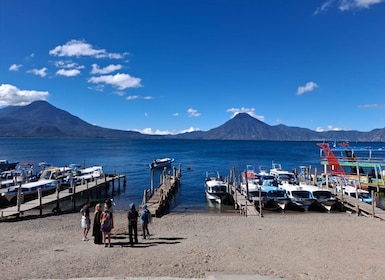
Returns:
(330,128)
(39,72)
(346,5)
(150,131)
(250,111)
(15,67)
(132,97)
(81,48)
(106,70)
(68,73)
(372,106)
(121,81)
(11,95)
(193,113)
(310,86)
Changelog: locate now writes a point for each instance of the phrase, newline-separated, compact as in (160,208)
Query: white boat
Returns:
(161,163)
(360,194)
(287,181)
(261,187)
(30,190)
(216,189)
(324,197)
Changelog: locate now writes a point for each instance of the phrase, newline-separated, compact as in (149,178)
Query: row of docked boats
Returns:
(275,189)
(27,182)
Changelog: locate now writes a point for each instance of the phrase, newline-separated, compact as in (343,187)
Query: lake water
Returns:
(131,157)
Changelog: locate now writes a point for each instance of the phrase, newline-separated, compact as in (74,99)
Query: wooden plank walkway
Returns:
(244,206)
(158,202)
(360,207)
(51,198)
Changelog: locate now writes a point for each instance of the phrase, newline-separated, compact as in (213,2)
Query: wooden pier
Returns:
(158,200)
(70,193)
(362,208)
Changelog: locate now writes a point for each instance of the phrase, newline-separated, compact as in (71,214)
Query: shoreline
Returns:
(198,245)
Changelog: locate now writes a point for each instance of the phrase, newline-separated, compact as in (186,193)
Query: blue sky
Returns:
(183,65)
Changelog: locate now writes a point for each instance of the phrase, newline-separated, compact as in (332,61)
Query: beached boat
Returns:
(287,180)
(216,189)
(161,163)
(5,165)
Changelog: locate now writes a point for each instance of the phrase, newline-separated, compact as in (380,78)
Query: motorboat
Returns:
(30,190)
(276,197)
(262,188)
(216,189)
(161,163)
(324,197)
(250,187)
(286,180)
(7,165)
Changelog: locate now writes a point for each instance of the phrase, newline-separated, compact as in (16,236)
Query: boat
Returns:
(365,165)
(262,188)
(5,165)
(216,189)
(360,194)
(287,180)
(23,173)
(30,190)
(161,163)
(324,198)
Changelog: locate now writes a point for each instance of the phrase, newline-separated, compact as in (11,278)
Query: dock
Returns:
(59,195)
(158,200)
(362,208)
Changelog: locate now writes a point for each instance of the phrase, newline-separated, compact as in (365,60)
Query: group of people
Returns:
(104,222)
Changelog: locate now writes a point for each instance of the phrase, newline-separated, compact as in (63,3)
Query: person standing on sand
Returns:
(96,229)
(145,219)
(107,224)
(86,221)
(132,217)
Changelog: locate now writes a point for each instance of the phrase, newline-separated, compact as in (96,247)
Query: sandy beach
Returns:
(192,245)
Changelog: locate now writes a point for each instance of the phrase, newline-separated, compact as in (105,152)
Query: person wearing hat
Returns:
(132,217)
(145,219)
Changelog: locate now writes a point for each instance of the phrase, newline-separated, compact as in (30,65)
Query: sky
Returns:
(168,67)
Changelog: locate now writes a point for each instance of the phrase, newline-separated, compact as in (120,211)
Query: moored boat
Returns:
(6,165)
(287,180)
(161,163)
(216,189)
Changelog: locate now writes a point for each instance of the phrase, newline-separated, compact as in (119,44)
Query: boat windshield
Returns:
(301,194)
(322,194)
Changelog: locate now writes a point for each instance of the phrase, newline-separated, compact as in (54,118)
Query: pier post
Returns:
(40,197)
(19,198)
(373,201)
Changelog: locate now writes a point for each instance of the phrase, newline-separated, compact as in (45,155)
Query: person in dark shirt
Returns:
(132,217)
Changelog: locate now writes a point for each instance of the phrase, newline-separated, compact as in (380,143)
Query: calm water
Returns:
(131,157)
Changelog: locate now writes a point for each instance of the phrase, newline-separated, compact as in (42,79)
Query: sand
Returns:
(199,245)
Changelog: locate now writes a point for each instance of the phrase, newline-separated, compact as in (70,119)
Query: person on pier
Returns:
(132,217)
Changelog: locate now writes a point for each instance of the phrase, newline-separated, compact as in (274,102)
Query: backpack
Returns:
(106,220)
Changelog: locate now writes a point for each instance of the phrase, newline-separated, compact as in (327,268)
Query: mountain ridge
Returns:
(41,119)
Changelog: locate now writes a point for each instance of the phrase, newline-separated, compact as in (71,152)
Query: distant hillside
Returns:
(245,127)
(41,119)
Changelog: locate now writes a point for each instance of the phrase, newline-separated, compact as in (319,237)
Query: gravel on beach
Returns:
(198,245)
